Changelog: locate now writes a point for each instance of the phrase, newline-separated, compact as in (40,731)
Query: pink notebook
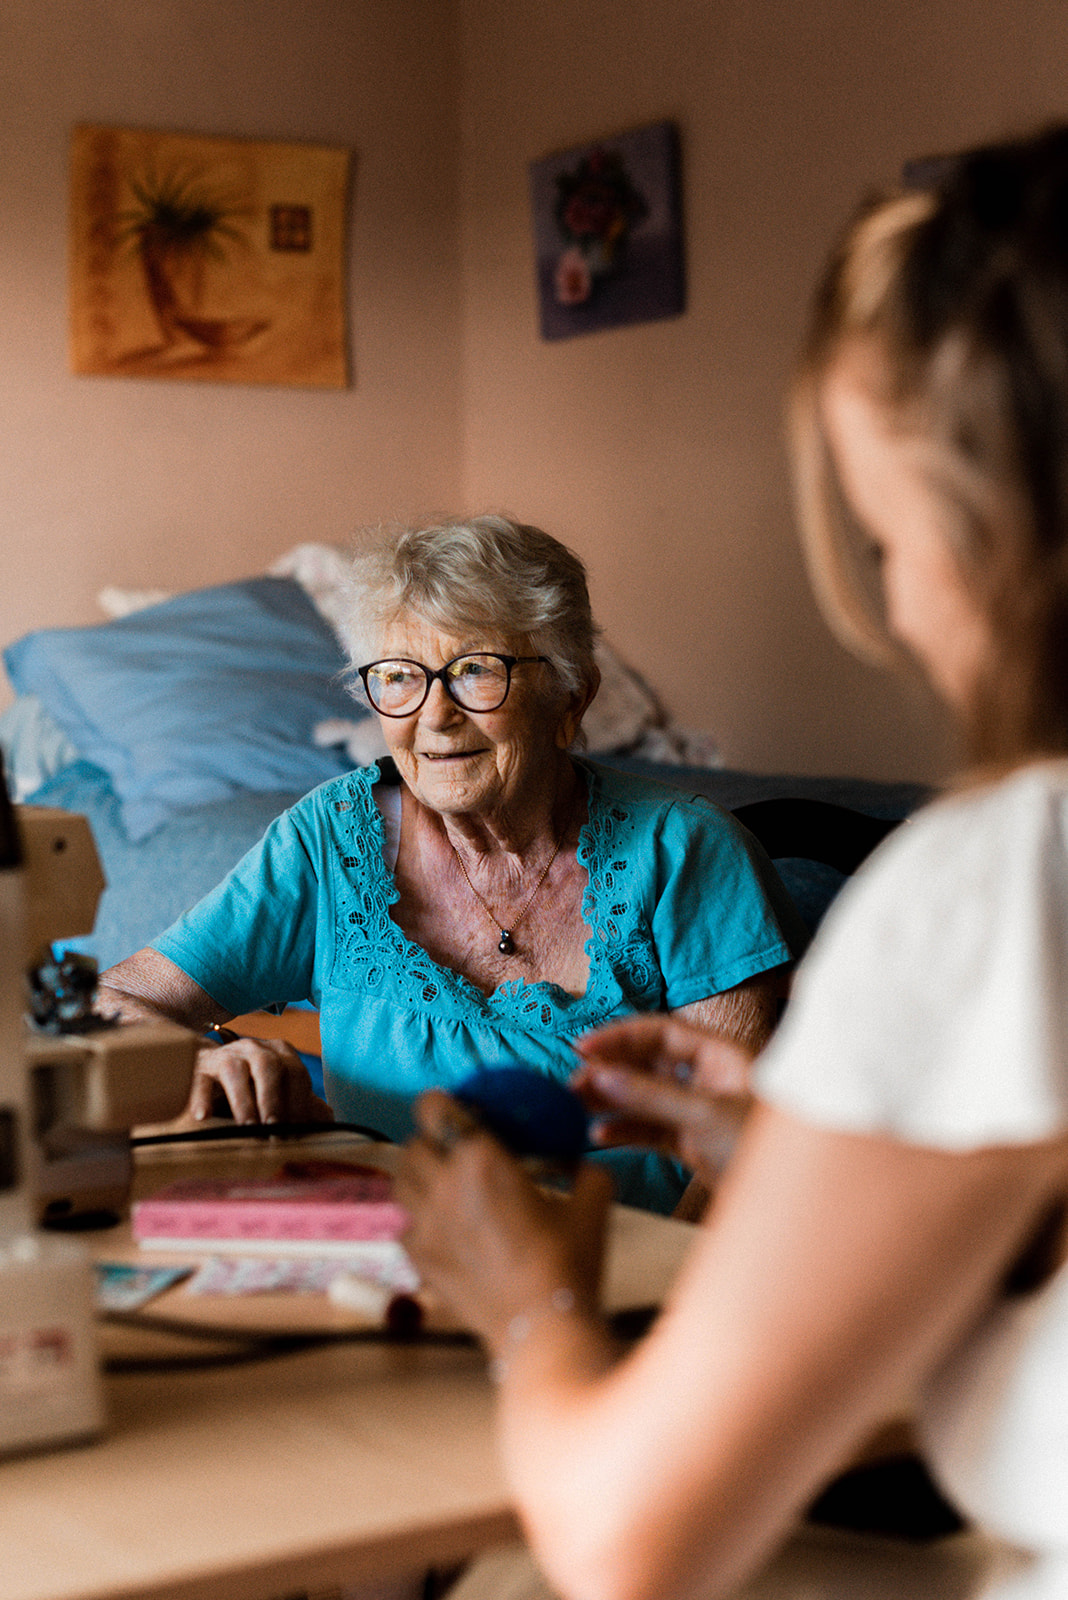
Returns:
(303,1204)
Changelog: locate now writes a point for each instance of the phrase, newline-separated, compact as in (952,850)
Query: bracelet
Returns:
(216,1034)
(522,1325)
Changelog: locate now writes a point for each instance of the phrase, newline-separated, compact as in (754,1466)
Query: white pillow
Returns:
(324,572)
(115,602)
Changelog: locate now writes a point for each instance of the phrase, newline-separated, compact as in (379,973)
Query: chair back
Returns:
(815,830)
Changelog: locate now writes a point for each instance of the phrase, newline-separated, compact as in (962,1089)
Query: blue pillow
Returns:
(205,696)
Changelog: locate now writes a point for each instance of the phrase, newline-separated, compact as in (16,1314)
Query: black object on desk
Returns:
(895,1498)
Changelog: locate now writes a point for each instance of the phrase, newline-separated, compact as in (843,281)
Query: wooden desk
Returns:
(303,1471)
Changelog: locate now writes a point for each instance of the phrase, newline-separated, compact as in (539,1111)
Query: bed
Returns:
(182,725)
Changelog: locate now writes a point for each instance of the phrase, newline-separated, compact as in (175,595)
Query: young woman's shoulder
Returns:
(926,1008)
(974,836)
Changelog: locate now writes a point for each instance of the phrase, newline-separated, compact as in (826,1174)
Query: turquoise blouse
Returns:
(681,903)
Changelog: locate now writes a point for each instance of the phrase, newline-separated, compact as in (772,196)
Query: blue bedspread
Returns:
(151,882)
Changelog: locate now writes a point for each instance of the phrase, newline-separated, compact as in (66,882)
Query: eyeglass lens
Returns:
(476,682)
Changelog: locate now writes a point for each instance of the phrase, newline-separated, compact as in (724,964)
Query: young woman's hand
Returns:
(484,1238)
(659,1082)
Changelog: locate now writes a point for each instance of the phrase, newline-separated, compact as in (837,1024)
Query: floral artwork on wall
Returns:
(210,259)
(608,232)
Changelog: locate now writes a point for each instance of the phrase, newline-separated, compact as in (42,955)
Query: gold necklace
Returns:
(506,944)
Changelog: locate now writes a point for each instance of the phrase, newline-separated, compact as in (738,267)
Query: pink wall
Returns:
(159,484)
(656,450)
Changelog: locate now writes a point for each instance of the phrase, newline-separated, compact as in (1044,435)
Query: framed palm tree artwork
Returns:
(207,259)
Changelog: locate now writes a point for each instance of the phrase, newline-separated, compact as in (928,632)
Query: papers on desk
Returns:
(292,1230)
(120,1287)
(238,1275)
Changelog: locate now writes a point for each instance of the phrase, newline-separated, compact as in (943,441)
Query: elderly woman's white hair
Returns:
(486,573)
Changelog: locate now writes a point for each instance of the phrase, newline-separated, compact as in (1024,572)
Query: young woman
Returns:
(893,1221)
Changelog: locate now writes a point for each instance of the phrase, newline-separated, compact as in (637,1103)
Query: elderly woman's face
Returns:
(457,761)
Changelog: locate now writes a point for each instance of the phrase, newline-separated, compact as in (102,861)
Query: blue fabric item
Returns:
(193,701)
(314,1065)
(680,902)
(530,1114)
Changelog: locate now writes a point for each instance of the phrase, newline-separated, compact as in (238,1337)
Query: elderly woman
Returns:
(484,894)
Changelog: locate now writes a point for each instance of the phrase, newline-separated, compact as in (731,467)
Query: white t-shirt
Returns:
(934,1007)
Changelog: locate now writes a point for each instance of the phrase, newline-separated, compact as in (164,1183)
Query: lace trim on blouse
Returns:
(373,955)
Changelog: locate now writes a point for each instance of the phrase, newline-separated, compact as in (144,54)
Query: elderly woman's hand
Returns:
(262,1080)
(484,1238)
(656,1081)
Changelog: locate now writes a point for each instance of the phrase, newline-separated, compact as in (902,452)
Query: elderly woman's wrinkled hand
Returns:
(261,1080)
(662,1083)
(482,1235)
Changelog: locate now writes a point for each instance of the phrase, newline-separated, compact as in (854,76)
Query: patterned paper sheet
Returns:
(238,1275)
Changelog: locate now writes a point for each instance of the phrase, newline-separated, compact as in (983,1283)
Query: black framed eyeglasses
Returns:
(478,681)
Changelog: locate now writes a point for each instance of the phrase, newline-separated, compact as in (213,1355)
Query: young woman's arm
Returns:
(834,1273)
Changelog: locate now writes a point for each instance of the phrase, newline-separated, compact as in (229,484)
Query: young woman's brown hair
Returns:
(960,293)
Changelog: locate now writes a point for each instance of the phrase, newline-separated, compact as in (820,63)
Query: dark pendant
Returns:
(507,944)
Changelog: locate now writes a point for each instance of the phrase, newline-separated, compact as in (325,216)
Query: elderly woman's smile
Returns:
(450,755)
(452,758)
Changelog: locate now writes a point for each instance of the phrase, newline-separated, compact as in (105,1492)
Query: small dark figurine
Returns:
(62,994)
